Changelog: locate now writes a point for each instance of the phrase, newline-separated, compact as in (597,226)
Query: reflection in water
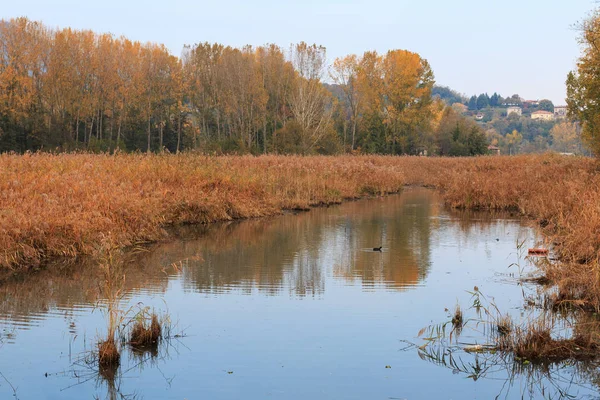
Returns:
(289,253)
(296,306)
(525,380)
(293,252)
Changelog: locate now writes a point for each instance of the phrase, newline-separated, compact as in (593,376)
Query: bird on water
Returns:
(377,248)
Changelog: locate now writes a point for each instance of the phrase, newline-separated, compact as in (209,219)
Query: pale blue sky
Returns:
(510,46)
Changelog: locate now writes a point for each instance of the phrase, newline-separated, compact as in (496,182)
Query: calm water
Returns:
(292,307)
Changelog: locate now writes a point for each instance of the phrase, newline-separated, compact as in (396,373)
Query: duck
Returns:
(377,248)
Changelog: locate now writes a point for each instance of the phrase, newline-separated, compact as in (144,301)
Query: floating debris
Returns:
(538,252)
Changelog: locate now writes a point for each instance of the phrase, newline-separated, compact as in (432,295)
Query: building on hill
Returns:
(543,115)
(493,150)
(560,111)
(531,103)
(514,109)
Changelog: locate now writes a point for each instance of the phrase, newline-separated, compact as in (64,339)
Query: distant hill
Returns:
(448,95)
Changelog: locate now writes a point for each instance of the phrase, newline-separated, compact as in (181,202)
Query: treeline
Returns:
(475,102)
(66,89)
(484,101)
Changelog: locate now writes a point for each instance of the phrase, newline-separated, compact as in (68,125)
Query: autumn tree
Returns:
(310,102)
(565,137)
(278,75)
(76,89)
(583,85)
(406,98)
(344,73)
(513,140)
(244,95)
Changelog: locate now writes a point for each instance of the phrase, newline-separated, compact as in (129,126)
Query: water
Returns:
(291,307)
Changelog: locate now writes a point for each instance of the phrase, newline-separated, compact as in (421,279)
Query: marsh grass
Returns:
(544,379)
(108,355)
(457,318)
(537,339)
(61,205)
(111,290)
(146,331)
(504,325)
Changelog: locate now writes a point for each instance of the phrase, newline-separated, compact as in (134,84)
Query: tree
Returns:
(483,101)
(565,138)
(513,140)
(459,136)
(406,99)
(278,75)
(473,103)
(583,85)
(448,95)
(546,105)
(344,73)
(244,96)
(514,100)
(310,102)
(495,100)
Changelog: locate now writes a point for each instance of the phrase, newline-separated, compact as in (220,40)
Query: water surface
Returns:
(292,307)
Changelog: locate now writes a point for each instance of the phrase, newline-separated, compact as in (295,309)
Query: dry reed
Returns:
(457,318)
(144,334)
(61,205)
(108,354)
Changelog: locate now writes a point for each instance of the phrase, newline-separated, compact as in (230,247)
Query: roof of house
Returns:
(541,112)
(491,147)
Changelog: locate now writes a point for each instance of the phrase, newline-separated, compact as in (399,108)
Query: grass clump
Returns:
(146,331)
(457,317)
(504,325)
(108,355)
(111,290)
(534,340)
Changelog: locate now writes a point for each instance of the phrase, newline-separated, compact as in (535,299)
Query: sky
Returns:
(511,46)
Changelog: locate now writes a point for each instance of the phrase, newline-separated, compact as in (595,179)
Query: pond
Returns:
(298,306)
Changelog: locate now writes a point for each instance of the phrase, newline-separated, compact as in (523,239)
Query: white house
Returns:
(560,111)
(543,115)
(514,109)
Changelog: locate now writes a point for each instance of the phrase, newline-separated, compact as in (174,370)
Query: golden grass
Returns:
(534,341)
(67,205)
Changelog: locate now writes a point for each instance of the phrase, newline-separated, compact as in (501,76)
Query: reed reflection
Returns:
(296,254)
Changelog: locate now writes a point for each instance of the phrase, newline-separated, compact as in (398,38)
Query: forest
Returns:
(70,90)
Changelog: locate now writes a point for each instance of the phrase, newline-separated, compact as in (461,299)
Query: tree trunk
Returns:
(148,132)
(119,132)
(77,130)
(353,133)
(265,137)
(178,131)
(161,127)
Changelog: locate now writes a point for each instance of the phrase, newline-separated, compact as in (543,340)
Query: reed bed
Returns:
(63,205)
